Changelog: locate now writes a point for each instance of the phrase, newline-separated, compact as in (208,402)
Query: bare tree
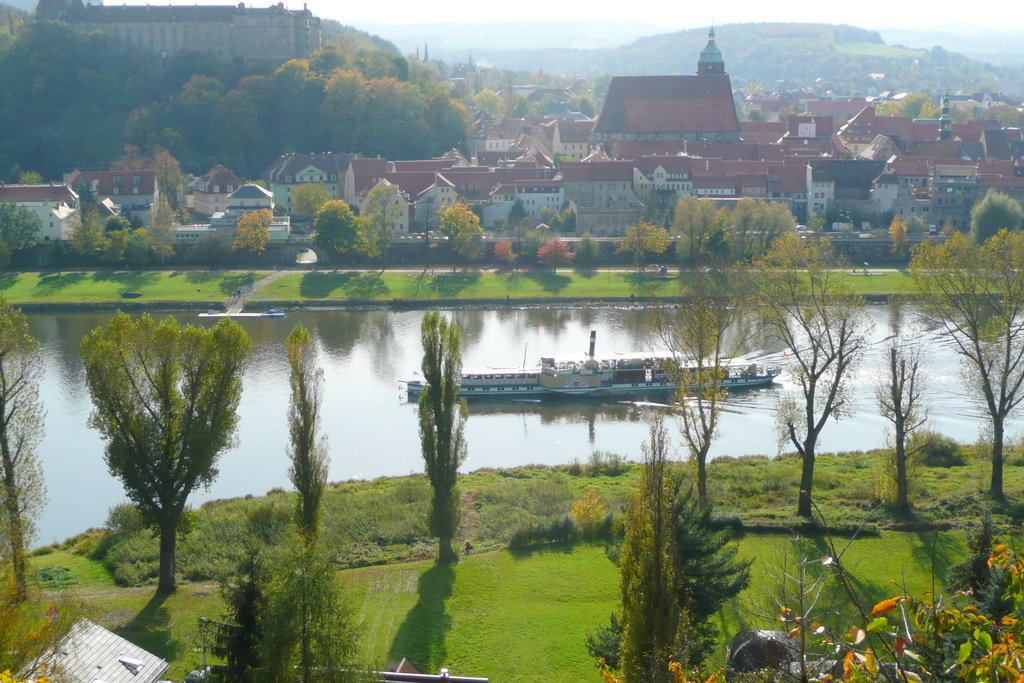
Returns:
(698,336)
(21,428)
(976,293)
(900,396)
(808,305)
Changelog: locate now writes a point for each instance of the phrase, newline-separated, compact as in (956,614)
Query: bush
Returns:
(560,529)
(603,462)
(937,450)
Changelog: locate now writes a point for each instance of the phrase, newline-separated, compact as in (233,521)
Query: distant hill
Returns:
(352,38)
(845,57)
(1003,48)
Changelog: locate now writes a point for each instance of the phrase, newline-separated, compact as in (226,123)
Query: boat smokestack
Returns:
(593,342)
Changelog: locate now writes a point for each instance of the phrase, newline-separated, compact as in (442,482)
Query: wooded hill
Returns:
(842,56)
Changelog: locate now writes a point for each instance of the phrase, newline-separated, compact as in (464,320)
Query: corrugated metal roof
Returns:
(92,653)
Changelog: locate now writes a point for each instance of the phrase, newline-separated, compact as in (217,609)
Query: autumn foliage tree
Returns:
(252,232)
(643,239)
(462,227)
(555,252)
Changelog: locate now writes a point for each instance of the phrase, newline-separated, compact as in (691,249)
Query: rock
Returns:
(755,650)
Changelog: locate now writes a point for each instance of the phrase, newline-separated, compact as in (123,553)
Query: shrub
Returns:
(937,450)
(590,513)
(603,462)
(560,529)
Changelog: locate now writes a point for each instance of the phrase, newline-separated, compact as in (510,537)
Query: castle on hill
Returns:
(225,31)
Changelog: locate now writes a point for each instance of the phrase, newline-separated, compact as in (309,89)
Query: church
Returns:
(226,31)
(642,109)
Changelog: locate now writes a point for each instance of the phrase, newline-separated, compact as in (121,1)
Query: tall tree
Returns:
(338,229)
(164,400)
(697,334)
(383,208)
(976,294)
(994,212)
(252,232)
(21,428)
(648,585)
(642,239)
(900,396)
(462,227)
(808,305)
(555,252)
(19,227)
(307,199)
(307,625)
(694,219)
(308,448)
(442,414)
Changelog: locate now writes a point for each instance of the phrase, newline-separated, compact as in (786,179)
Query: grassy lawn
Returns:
(505,614)
(444,284)
(201,286)
(104,286)
(341,285)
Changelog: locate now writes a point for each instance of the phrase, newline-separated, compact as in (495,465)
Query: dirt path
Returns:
(237,301)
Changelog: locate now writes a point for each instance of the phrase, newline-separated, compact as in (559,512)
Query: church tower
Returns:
(711,62)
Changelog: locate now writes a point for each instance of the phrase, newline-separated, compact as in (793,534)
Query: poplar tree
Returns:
(442,414)
(21,429)
(165,400)
(648,586)
(308,448)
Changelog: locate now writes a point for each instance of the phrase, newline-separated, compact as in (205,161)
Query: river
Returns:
(372,429)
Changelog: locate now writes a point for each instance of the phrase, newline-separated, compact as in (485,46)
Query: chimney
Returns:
(593,342)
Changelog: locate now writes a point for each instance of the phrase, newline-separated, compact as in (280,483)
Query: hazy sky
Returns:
(672,16)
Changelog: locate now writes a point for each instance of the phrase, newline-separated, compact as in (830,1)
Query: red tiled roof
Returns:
(762,131)
(46,192)
(105,181)
(668,104)
(219,175)
(614,171)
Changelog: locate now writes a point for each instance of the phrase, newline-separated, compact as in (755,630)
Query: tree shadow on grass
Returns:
(552,283)
(649,283)
(151,629)
(422,636)
(7,281)
(563,547)
(939,551)
(353,285)
(56,282)
(453,284)
(587,272)
(128,281)
(227,283)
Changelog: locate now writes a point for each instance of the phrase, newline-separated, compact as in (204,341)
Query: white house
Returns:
(56,205)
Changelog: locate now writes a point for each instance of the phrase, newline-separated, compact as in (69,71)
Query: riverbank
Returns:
(552,590)
(200,290)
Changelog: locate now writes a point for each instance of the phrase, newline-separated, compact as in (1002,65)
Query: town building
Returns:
(135,193)
(646,108)
(55,204)
(225,31)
